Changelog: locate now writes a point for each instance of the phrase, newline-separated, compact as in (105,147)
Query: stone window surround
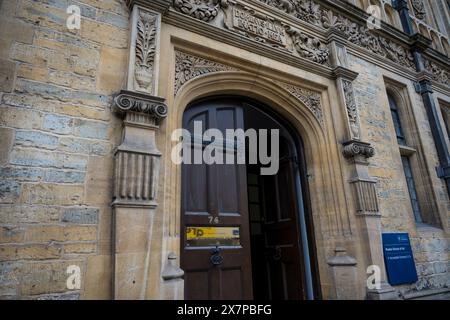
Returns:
(414,150)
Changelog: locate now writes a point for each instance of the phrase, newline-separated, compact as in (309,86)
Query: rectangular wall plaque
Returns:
(398,258)
(199,236)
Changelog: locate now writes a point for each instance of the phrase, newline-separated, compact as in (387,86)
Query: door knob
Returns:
(216,259)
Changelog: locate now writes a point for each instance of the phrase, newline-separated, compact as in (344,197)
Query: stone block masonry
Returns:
(56,89)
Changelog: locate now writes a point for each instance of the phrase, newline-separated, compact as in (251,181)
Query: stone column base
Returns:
(386,292)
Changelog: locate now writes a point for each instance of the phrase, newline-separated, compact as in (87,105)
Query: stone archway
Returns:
(303,119)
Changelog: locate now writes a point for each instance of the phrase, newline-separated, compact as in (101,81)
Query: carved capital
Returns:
(355,148)
(154,107)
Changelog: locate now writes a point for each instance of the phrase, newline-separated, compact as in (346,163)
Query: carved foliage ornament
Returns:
(309,47)
(145,49)
(418,8)
(314,13)
(204,10)
(309,98)
(188,67)
(352,111)
(439,74)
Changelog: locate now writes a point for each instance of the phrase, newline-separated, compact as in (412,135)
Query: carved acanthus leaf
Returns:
(352,111)
(188,67)
(312,12)
(309,98)
(439,74)
(309,47)
(145,49)
(204,10)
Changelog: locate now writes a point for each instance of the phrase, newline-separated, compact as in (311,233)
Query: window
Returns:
(396,119)
(412,189)
(413,145)
(406,152)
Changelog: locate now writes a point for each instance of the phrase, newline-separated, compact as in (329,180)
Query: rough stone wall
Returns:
(57,134)
(431,245)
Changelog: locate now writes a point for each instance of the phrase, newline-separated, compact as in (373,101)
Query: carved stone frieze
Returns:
(418,8)
(309,98)
(352,111)
(438,73)
(204,10)
(188,67)
(312,12)
(309,47)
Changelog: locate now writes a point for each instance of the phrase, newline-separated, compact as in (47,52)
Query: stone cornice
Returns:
(387,47)
(158,5)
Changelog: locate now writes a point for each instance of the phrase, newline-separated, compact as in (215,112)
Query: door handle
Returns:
(216,258)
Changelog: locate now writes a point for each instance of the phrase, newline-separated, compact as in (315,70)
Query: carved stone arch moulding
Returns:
(188,67)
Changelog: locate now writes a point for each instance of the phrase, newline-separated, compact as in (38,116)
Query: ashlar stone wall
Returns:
(57,135)
(430,244)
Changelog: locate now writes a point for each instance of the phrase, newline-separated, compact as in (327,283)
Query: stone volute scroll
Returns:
(137,159)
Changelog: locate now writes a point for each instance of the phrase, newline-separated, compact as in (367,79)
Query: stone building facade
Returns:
(87,115)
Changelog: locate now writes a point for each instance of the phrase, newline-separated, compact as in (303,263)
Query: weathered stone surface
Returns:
(80,248)
(80,215)
(47,277)
(80,233)
(30,252)
(7,138)
(36,139)
(7,75)
(15,213)
(111,76)
(52,194)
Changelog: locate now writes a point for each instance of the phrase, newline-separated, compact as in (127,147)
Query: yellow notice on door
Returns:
(212,236)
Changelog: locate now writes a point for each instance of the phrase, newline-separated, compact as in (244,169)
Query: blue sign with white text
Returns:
(398,258)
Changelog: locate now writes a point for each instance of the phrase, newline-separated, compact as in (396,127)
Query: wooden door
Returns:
(215,196)
(282,237)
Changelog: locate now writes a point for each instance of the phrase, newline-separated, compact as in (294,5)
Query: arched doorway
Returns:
(245,235)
